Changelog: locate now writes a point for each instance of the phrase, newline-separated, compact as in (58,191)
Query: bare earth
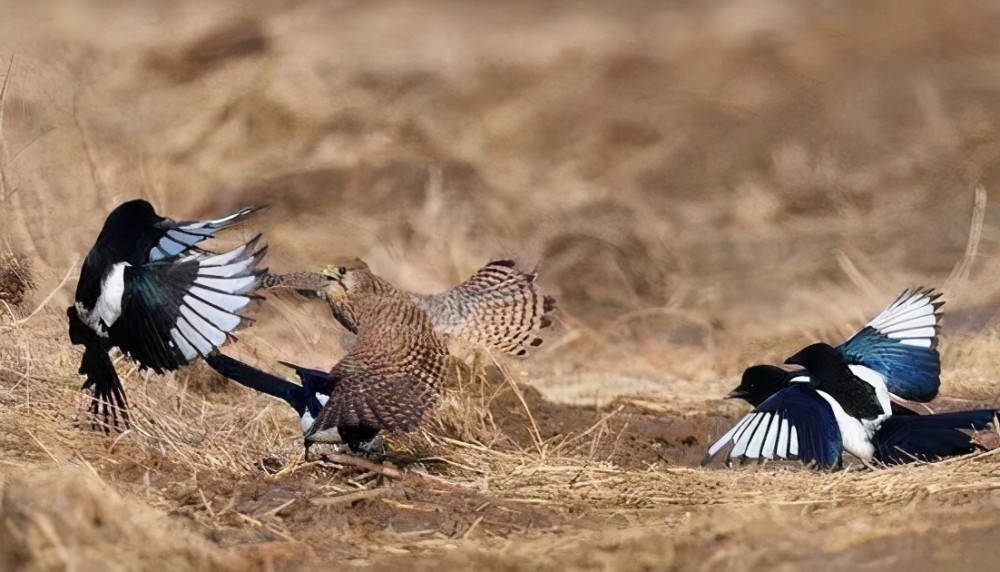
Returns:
(702,186)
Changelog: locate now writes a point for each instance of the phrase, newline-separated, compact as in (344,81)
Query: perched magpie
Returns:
(147,288)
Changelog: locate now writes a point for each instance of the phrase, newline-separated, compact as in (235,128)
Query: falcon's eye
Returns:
(342,270)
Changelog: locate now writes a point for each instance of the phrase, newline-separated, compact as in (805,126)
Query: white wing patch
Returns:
(912,319)
(760,435)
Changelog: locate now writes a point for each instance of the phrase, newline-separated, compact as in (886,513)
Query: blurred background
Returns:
(702,185)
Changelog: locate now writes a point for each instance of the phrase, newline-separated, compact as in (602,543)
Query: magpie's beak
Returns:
(736,394)
(796,359)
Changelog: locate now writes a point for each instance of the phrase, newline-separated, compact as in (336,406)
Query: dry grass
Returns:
(702,187)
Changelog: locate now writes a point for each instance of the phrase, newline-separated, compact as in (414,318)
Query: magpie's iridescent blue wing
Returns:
(179,237)
(901,345)
(795,423)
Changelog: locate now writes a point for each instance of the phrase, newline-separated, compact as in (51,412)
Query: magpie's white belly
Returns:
(108,307)
(855,433)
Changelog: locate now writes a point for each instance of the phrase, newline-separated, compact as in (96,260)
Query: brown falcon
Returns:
(389,377)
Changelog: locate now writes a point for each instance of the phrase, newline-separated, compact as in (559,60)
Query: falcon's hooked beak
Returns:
(335,274)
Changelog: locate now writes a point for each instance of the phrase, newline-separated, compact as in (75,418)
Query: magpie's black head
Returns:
(130,227)
(132,213)
(818,357)
(760,382)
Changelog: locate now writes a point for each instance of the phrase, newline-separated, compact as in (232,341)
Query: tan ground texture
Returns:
(703,186)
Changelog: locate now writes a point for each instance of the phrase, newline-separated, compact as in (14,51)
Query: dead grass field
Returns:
(701,185)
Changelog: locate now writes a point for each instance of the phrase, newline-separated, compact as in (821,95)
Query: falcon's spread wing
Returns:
(499,308)
(794,423)
(175,310)
(901,345)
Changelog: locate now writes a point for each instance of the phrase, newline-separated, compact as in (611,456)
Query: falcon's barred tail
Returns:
(499,308)
(189,308)
(108,394)
(184,235)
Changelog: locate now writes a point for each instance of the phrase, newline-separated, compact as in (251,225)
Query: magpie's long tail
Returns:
(259,380)
(109,395)
(108,398)
(929,437)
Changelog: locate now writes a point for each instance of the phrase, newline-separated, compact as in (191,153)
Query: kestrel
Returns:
(389,378)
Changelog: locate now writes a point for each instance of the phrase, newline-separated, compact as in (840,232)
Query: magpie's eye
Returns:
(342,270)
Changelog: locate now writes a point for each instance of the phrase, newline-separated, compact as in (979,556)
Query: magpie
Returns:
(895,351)
(307,399)
(906,436)
(149,289)
(759,382)
(900,344)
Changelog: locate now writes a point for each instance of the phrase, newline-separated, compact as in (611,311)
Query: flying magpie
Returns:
(149,289)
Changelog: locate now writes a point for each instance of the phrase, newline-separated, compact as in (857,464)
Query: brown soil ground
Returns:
(702,186)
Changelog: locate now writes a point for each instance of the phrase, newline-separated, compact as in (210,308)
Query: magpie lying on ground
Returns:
(904,437)
(899,345)
(840,401)
(149,290)
(833,409)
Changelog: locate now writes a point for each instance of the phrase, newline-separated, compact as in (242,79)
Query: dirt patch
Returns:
(630,433)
